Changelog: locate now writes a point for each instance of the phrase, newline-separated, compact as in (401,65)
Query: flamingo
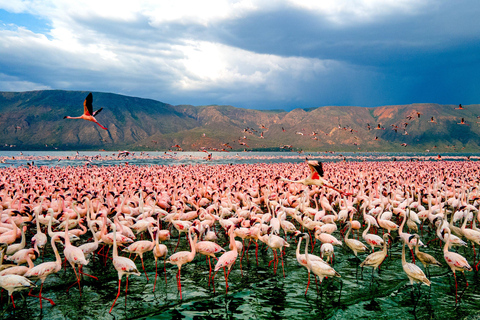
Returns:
(227,260)
(75,256)
(372,239)
(39,239)
(140,247)
(375,259)
(319,267)
(326,250)
(43,270)
(13,282)
(315,177)
(455,261)
(182,257)
(88,113)
(20,270)
(159,250)
(208,249)
(426,259)
(355,245)
(414,273)
(301,258)
(12,248)
(123,265)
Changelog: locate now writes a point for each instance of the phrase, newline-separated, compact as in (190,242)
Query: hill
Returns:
(34,121)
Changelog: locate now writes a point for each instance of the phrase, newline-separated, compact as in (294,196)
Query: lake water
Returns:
(65,158)
(255,292)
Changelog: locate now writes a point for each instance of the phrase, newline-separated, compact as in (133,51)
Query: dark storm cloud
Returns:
(280,56)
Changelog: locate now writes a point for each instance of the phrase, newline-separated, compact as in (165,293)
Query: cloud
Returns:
(264,54)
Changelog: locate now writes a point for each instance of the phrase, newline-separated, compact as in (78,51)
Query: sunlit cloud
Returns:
(246,53)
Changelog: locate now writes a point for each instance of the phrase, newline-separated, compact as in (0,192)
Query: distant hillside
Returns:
(34,121)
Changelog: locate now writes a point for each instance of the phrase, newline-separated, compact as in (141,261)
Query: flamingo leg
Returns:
(80,270)
(106,256)
(455,276)
(165,271)
(180,283)
(118,294)
(210,271)
(141,258)
(11,296)
(177,244)
(155,282)
(101,125)
(40,297)
(126,291)
(283,269)
(308,283)
(413,256)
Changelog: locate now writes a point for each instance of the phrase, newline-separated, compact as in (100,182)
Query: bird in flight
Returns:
(315,177)
(88,113)
(459,107)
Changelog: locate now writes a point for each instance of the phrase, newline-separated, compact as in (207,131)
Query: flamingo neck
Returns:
(67,238)
(115,252)
(58,259)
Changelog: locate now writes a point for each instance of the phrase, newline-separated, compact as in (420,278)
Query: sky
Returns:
(260,54)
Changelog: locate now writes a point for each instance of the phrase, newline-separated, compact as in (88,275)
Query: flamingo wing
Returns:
(97,112)
(87,105)
(316,168)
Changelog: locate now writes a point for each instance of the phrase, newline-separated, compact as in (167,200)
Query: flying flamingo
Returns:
(315,177)
(123,265)
(182,257)
(88,113)
(227,259)
(43,270)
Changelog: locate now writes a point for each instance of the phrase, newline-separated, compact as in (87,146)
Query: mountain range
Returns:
(34,120)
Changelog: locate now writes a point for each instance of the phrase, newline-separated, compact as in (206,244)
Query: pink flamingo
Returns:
(123,266)
(14,282)
(75,256)
(20,270)
(140,247)
(159,250)
(43,270)
(182,257)
(315,177)
(455,261)
(88,113)
(227,260)
(208,249)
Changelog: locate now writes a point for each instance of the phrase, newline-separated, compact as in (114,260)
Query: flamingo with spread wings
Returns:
(315,177)
(88,113)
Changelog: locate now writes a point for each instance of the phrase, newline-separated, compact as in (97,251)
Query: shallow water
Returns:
(258,293)
(71,158)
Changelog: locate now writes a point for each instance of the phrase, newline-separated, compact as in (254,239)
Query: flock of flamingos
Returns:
(82,213)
